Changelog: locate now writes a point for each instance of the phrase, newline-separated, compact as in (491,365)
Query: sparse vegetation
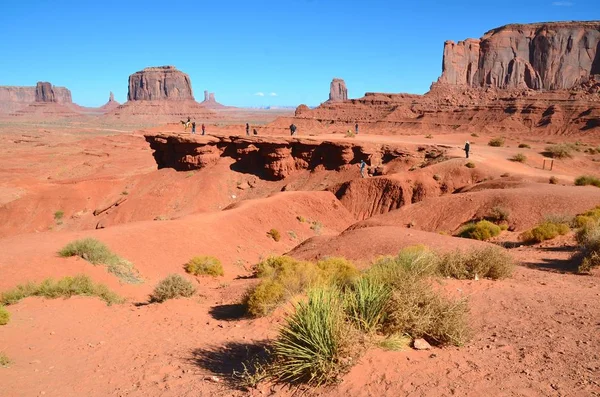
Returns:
(475,135)
(588,238)
(395,342)
(97,253)
(498,214)
(588,217)
(316,227)
(274,234)
(350,134)
(559,151)
(204,266)
(496,142)
(429,136)
(65,287)
(58,215)
(437,177)
(366,302)
(171,287)
(4,316)
(301,219)
(292,235)
(470,165)
(553,180)
(489,262)
(524,146)
(586,180)
(544,231)
(519,158)
(4,360)
(124,193)
(482,230)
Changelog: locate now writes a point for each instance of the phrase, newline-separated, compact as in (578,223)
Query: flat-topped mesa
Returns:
(337,90)
(46,92)
(539,56)
(159,83)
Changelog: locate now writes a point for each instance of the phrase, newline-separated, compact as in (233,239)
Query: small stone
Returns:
(421,344)
(214,379)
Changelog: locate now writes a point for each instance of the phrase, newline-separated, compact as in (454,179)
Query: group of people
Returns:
(248,130)
(193,123)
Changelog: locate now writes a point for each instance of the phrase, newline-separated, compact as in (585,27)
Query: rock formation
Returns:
(548,56)
(44,92)
(160,83)
(338,90)
(111,97)
(210,101)
(15,98)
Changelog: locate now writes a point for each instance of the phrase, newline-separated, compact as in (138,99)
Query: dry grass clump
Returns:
(524,146)
(553,180)
(4,360)
(350,134)
(559,151)
(470,164)
(544,231)
(482,230)
(274,234)
(586,180)
(97,253)
(589,217)
(496,142)
(498,214)
(588,238)
(519,158)
(490,262)
(171,287)
(204,266)
(4,316)
(65,287)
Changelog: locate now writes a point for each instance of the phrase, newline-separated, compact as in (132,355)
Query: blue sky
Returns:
(291,48)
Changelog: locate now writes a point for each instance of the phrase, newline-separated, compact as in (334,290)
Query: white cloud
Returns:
(260,94)
(273,94)
(562,3)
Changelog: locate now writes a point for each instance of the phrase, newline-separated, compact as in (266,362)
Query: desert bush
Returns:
(350,134)
(588,238)
(204,266)
(498,214)
(301,219)
(98,253)
(587,217)
(316,227)
(475,135)
(429,136)
(482,230)
(586,180)
(496,142)
(488,262)
(524,146)
(470,164)
(4,316)
(65,287)
(365,303)
(314,341)
(274,234)
(4,360)
(437,177)
(553,180)
(559,151)
(171,287)
(519,158)
(411,263)
(337,271)
(58,215)
(544,231)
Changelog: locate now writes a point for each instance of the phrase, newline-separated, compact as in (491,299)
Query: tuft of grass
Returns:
(482,230)
(498,214)
(470,165)
(586,180)
(365,303)
(65,287)
(496,142)
(301,219)
(204,266)
(124,193)
(316,227)
(98,253)
(588,238)
(4,316)
(559,151)
(4,360)
(553,180)
(524,146)
(489,262)
(429,136)
(544,231)
(58,215)
(274,234)
(314,341)
(437,177)
(395,342)
(171,287)
(292,235)
(519,158)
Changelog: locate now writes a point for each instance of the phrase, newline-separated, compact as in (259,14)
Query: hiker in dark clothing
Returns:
(467,148)
(356,128)
(193,127)
(203,129)
(292,129)
(362,168)
(247,129)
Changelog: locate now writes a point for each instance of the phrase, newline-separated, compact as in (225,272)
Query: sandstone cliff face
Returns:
(160,83)
(338,90)
(548,56)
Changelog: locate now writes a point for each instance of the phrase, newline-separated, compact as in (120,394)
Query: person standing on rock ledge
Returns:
(362,168)
(193,127)
(356,128)
(203,129)
(247,129)
(292,129)
(467,148)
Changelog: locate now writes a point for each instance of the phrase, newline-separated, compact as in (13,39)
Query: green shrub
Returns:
(337,271)
(171,287)
(496,142)
(589,243)
(470,165)
(524,146)
(58,215)
(274,234)
(204,266)
(97,253)
(482,230)
(488,262)
(588,217)
(544,231)
(365,303)
(314,342)
(553,180)
(586,180)
(560,151)
(65,287)
(4,316)
(519,158)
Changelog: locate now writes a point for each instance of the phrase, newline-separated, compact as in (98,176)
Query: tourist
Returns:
(362,168)
(467,148)
(193,127)
(292,129)
(203,129)
(356,128)
(248,129)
